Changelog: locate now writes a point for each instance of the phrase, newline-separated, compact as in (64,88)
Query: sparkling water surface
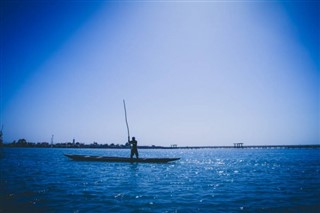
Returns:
(203,180)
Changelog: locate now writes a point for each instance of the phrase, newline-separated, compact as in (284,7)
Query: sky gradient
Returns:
(192,73)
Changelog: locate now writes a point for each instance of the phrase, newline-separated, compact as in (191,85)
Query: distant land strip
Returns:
(24,144)
(249,147)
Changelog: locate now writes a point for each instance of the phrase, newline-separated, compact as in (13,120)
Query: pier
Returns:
(238,145)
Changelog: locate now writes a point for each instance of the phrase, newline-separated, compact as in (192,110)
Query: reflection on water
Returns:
(42,180)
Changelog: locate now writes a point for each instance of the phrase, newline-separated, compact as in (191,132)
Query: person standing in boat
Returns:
(134,147)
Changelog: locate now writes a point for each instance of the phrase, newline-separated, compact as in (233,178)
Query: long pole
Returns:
(125,113)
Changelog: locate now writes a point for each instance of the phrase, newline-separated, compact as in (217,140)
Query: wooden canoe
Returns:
(119,159)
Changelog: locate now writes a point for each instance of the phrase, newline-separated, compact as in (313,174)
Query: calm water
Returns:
(204,180)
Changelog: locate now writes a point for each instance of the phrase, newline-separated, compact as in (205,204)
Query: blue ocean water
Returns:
(204,180)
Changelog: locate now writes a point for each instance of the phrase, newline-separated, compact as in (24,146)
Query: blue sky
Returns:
(192,73)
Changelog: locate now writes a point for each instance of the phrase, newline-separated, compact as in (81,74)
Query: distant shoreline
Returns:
(85,146)
(251,147)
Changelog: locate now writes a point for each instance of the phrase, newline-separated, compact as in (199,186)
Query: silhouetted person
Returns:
(134,147)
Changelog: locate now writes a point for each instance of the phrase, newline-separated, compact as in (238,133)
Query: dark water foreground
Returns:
(204,180)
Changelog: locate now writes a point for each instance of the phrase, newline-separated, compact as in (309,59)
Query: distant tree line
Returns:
(24,143)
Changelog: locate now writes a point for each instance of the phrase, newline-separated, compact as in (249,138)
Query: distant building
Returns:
(174,145)
(52,140)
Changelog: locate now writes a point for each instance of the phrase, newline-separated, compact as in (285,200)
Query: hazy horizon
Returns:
(207,73)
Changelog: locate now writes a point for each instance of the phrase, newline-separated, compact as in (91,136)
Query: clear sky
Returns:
(192,73)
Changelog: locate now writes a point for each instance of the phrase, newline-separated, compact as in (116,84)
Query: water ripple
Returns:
(205,180)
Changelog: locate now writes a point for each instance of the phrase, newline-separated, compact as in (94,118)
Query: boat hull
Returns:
(119,159)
